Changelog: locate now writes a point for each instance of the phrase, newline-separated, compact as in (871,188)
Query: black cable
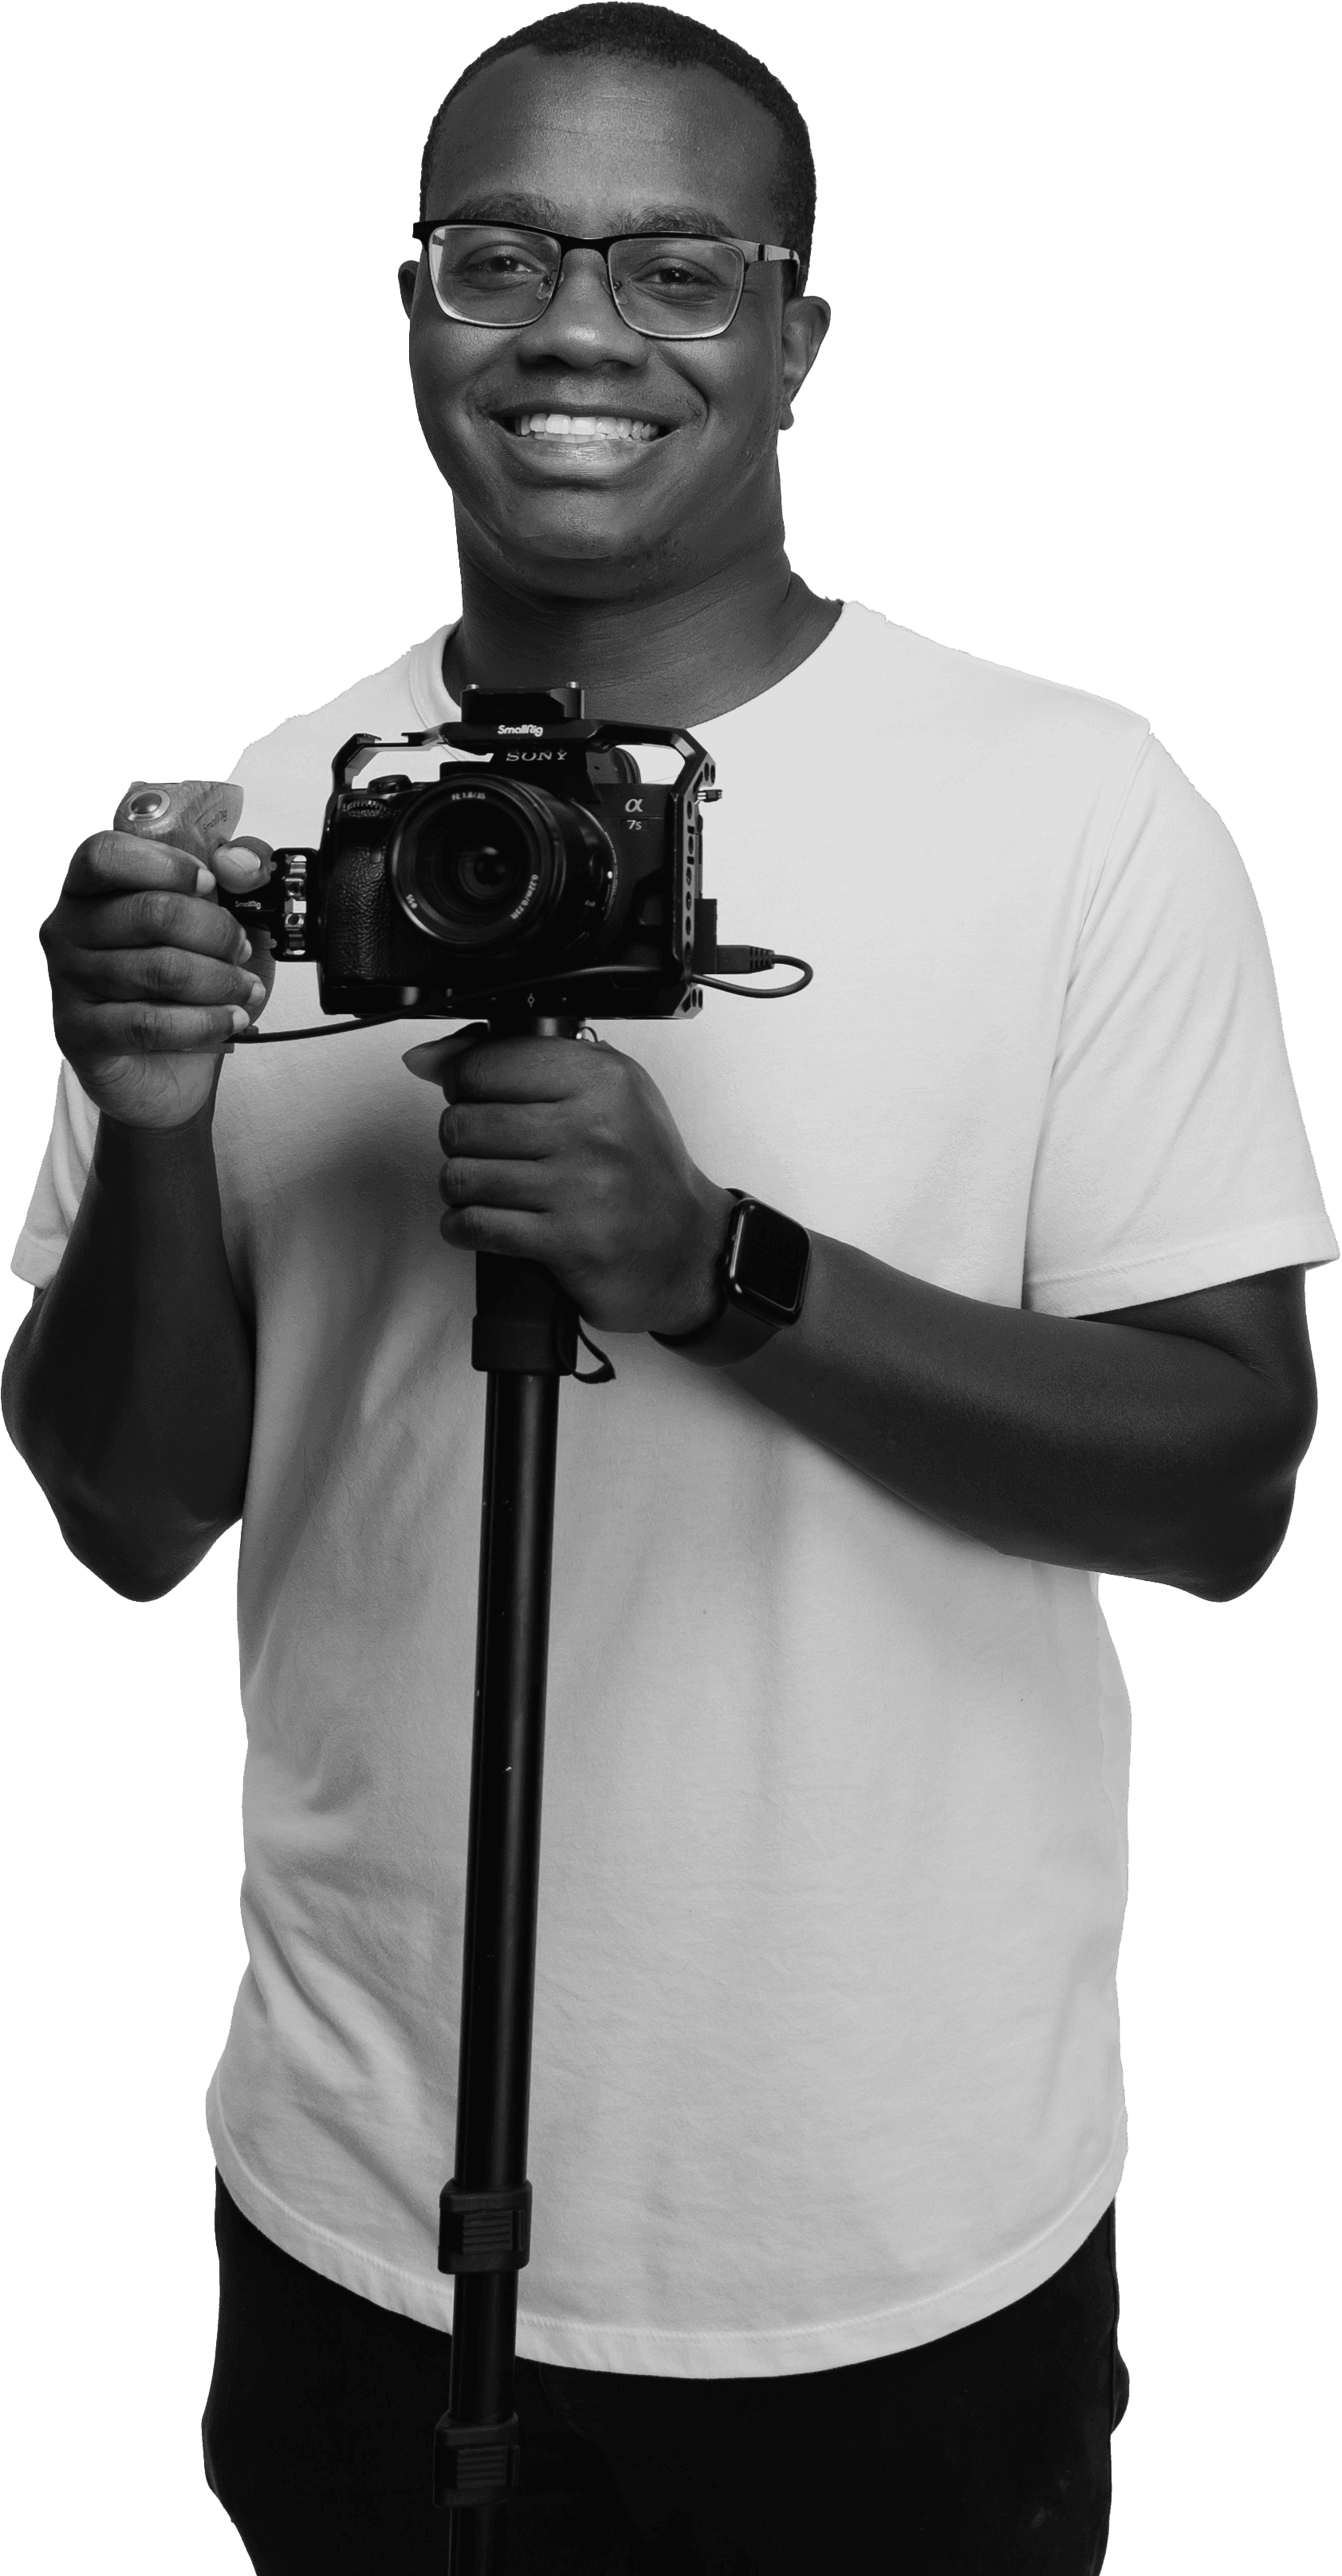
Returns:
(464,1003)
(319,1029)
(774,992)
(462,1006)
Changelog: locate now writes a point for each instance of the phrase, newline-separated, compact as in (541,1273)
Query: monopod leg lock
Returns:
(484,2231)
(475,2464)
(480,2231)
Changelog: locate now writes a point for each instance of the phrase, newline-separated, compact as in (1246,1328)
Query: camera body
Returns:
(543,877)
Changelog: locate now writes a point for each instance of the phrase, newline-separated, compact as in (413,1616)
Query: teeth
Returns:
(582,424)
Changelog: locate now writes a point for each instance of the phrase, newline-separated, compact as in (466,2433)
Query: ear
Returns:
(805,321)
(406,275)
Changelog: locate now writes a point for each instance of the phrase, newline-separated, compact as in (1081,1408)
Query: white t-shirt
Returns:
(833,1860)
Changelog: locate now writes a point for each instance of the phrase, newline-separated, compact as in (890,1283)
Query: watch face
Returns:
(767,1261)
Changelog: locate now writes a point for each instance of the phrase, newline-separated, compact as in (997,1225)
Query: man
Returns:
(827,2116)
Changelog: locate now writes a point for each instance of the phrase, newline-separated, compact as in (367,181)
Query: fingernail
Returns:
(258,991)
(241,1020)
(204,881)
(241,858)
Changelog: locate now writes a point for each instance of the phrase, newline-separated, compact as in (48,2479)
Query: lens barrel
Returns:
(499,868)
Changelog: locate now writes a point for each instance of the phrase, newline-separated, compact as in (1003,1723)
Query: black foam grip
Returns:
(523,1321)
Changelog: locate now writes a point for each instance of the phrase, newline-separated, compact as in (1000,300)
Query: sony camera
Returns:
(542,877)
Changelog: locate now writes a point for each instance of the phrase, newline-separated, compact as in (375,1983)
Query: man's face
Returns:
(595,148)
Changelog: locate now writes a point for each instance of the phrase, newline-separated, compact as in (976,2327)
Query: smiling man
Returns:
(597,467)
(826,2116)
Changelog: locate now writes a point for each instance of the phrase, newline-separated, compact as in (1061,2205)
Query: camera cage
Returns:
(552,719)
(492,720)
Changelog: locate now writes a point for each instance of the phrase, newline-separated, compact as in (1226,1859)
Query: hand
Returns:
(150,980)
(567,1154)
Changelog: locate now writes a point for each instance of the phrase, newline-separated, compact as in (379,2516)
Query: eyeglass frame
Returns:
(753,255)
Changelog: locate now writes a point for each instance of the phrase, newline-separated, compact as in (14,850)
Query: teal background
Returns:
(1077,413)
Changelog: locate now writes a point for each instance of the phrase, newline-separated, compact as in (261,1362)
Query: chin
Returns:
(569,536)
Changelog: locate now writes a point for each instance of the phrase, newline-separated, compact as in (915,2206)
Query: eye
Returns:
(697,278)
(490,271)
(500,267)
(673,276)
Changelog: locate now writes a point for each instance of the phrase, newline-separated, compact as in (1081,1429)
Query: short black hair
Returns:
(626,30)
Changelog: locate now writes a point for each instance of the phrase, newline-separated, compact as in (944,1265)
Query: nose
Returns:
(580,325)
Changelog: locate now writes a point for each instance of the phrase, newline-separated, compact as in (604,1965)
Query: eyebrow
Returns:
(541,214)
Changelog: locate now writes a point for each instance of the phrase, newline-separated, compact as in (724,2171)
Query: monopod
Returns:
(374,881)
(525,1339)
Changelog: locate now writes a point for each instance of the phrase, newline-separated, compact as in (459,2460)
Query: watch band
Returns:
(727,1337)
(737,1330)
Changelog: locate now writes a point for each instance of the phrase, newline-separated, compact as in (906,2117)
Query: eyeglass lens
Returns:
(664,286)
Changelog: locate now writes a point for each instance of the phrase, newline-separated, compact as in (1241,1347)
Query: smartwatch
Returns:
(761,1281)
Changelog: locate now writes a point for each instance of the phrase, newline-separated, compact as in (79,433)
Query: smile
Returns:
(582,424)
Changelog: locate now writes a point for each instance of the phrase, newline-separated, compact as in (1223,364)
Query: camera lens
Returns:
(485,873)
(495,866)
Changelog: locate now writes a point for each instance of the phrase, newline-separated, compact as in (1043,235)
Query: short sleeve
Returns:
(60,1184)
(1172,1154)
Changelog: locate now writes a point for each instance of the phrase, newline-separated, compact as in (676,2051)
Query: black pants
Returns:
(985,2453)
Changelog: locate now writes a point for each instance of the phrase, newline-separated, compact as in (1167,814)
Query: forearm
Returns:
(1072,1442)
(128,1389)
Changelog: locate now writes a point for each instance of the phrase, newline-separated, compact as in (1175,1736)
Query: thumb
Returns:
(242,865)
(433,1060)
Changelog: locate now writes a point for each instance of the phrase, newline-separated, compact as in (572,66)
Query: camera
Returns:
(541,876)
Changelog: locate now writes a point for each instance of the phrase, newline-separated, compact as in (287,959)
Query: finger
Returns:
(168,975)
(262,963)
(428,1059)
(506,1230)
(464,1184)
(518,1069)
(146,1028)
(507,1130)
(243,865)
(155,917)
(109,860)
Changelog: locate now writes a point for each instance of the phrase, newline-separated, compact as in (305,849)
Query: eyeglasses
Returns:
(669,286)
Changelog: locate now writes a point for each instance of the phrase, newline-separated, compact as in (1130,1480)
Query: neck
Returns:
(679,657)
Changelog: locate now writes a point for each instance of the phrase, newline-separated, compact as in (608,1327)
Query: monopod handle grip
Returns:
(524,1322)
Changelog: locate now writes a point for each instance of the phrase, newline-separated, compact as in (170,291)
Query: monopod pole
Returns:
(525,1339)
